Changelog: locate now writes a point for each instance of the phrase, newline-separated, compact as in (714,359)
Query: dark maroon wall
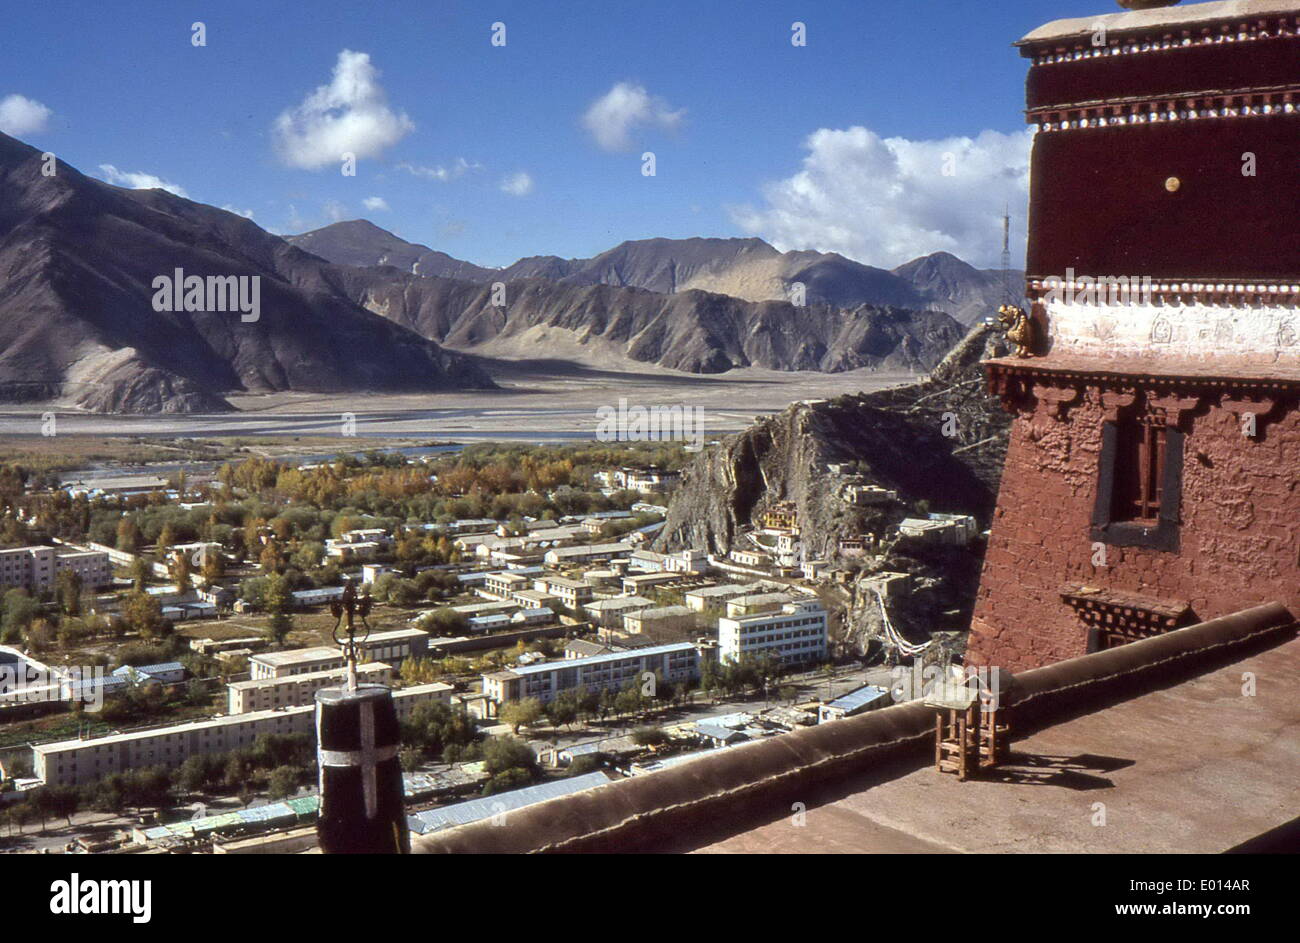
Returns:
(1226,67)
(1098,202)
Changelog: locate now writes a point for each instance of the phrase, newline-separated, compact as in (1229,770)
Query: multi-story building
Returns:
(675,663)
(394,646)
(697,600)
(76,762)
(572,593)
(609,613)
(505,584)
(265,694)
(36,568)
(563,556)
(299,661)
(793,634)
(660,621)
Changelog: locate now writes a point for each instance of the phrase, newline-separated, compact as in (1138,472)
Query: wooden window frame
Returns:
(1160,532)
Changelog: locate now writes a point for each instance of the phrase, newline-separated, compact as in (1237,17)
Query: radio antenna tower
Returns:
(1010,297)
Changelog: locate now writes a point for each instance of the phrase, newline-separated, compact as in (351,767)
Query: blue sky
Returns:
(751,135)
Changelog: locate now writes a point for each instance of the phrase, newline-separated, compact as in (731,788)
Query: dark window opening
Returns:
(1139,482)
(1140,451)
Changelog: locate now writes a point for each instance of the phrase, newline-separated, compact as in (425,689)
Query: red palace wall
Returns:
(1239,540)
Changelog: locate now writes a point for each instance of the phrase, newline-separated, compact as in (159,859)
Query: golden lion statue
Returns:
(1019,329)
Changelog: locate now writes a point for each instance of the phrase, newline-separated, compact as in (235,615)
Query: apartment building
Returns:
(36,568)
(572,593)
(609,613)
(506,584)
(299,661)
(395,646)
(676,663)
(76,762)
(246,697)
(660,621)
(794,633)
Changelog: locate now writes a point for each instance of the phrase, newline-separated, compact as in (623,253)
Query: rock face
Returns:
(77,322)
(748,269)
(693,331)
(946,283)
(892,438)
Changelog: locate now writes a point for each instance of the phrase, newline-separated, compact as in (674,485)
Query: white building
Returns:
(572,593)
(676,663)
(660,620)
(299,661)
(697,600)
(796,633)
(76,762)
(36,568)
(245,697)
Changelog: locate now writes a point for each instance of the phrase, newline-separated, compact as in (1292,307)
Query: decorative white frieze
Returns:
(1262,334)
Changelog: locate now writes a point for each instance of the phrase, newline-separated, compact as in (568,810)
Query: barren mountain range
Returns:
(749,269)
(354,308)
(77,322)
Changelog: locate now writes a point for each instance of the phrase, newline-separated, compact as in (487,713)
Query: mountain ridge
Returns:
(78,258)
(743,267)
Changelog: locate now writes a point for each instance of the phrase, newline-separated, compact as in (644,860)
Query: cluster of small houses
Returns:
(774,545)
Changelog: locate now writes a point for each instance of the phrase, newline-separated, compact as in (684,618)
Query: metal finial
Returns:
(348,608)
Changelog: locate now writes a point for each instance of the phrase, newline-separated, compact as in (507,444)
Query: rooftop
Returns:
(648,651)
(663,612)
(296,656)
(1194,768)
(1194,14)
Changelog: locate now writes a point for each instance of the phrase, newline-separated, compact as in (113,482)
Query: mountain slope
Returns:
(943,281)
(693,331)
(77,261)
(749,269)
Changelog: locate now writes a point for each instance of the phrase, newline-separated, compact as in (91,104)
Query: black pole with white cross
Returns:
(357,739)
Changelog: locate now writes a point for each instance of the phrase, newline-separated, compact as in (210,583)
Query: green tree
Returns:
(521,713)
(68,591)
(277,600)
(144,614)
(649,737)
(129,537)
(283,782)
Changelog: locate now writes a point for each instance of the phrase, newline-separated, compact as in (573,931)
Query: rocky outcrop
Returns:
(938,443)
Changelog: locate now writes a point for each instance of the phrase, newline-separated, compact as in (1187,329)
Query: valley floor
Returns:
(539,400)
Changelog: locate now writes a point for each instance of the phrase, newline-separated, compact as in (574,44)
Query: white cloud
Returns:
(334,210)
(518,184)
(376,204)
(20,115)
(615,118)
(139,181)
(247,214)
(349,115)
(438,172)
(885,201)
